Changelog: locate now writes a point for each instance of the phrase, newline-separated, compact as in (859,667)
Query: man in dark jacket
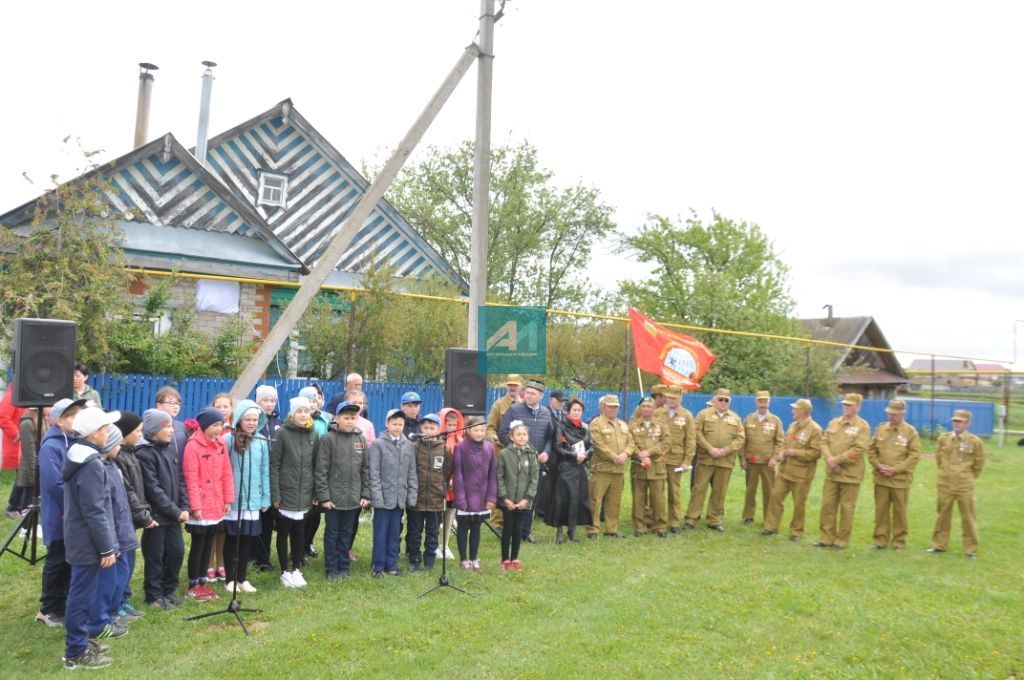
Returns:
(540,424)
(90,539)
(162,546)
(433,470)
(130,426)
(53,449)
(410,405)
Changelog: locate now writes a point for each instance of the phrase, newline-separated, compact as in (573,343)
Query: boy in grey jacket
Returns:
(393,488)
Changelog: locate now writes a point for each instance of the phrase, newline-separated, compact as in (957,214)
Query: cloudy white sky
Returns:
(879,144)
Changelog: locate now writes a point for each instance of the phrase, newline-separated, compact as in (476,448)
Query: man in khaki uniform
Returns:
(960,456)
(764,433)
(843,447)
(719,438)
(682,445)
(650,437)
(658,394)
(796,465)
(613,445)
(894,452)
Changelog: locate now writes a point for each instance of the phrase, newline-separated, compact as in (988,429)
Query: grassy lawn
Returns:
(698,605)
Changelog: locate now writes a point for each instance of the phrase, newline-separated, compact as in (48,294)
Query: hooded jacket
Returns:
(134,487)
(291,466)
(53,449)
(460,423)
(124,528)
(342,468)
(89,533)
(252,491)
(433,470)
(207,470)
(475,473)
(163,481)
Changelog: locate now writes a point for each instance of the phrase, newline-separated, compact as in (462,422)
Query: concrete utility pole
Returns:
(481,174)
(341,241)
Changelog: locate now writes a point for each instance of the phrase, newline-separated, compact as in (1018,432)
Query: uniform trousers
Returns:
(838,498)
(891,516)
(717,478)
(776,506)
(606,487)
(758,474)
(965,502)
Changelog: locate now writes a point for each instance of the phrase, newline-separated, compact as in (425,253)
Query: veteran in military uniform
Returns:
(844,444)
(682,445)
(720,437)
(498,409)
(657,394)
(894,452)
(796,465)
(764,434)
(960,456)
(650,437)
(613,445)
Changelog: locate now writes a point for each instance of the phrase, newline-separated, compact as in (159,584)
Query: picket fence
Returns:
(135,392)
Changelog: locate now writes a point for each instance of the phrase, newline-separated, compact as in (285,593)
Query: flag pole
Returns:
(640,380)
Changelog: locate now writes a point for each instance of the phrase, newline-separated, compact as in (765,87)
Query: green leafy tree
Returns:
(539,238)
(67,264)
(727,275)
(424,328)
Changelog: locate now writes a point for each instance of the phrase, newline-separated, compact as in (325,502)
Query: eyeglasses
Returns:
(725,399)
(171,403)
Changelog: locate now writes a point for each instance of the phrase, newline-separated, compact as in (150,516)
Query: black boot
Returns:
(559,536)
(572,535)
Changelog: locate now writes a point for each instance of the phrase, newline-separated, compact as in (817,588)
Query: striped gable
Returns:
(161,184)
(322,190)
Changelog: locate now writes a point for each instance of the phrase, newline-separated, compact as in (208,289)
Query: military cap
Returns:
(896,406)
(609,400)
(658,389)
(514,379)
(803,405)
(961,414)
(852,399)
(762,394)
(673,391)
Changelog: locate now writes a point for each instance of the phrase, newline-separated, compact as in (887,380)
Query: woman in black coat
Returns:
(568,502)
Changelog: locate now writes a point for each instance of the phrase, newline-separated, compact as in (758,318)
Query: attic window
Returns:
(273,189)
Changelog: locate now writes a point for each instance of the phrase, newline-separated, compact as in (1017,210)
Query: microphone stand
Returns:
(442,582)
(30,517)
(235,605)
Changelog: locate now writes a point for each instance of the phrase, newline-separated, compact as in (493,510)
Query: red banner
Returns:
(677,358)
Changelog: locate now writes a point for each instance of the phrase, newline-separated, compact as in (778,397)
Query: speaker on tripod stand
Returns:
(44,368)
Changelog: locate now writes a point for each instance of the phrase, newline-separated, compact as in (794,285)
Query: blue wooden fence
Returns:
(136,393)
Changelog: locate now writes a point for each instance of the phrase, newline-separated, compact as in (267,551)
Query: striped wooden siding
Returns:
(170,193)
(321,194)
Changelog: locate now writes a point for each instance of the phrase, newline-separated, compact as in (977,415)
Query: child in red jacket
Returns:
(211,491)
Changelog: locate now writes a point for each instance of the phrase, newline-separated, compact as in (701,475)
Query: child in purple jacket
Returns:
(475,476)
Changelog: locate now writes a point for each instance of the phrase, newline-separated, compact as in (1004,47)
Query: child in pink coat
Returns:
(211,491)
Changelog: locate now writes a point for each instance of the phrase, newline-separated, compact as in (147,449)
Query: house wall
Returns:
(254,304)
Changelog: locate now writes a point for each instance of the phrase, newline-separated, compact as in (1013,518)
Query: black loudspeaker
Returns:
(464,388)
(44,361)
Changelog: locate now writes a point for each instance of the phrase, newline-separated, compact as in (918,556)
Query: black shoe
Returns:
(971,556)
(427,566)
(748,520)
(717,527)
(819,544)
(174,599)
(572,535)
(591,536)
(264,568)
(795,538)
(638,534)
(766,532)
(662,534)
(530,539)
(688,527)
(935,550)
(415,566)
(87,659)
(675,530)
(98,648)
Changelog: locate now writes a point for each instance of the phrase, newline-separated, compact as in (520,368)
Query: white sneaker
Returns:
(298,579)
(230,586)
(246,587)
(288,581)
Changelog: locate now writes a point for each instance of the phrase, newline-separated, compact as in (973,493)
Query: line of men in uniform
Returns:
(663,441)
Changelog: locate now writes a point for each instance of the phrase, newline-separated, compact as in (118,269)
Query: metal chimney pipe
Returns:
(204,112)
(142,107)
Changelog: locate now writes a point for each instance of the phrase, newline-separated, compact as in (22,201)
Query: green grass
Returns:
(698,605)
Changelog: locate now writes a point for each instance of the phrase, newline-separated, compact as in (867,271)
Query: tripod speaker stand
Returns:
(29,521)
(442,581)
(235,605)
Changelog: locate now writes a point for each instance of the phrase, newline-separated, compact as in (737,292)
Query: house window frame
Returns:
(261,197)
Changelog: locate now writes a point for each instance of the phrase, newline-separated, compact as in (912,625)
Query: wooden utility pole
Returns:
(481,174)
(341,241)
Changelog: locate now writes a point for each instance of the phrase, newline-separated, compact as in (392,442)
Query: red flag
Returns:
(677,358)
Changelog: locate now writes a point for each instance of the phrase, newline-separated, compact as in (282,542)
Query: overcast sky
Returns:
(879,144)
